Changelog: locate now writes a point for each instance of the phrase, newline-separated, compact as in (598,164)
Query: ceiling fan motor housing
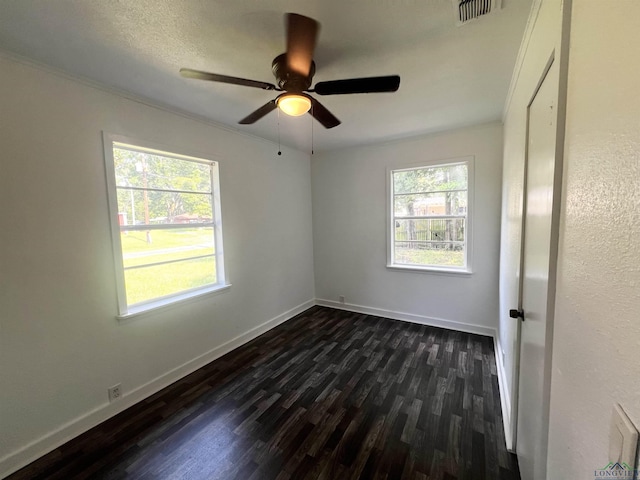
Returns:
(289,80)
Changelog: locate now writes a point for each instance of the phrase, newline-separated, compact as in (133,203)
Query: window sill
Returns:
(139,310)
(436,270)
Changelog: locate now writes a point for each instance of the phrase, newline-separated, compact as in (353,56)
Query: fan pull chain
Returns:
(312,117)
(279,151)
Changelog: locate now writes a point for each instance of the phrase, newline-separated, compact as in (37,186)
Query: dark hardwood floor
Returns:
(326,395)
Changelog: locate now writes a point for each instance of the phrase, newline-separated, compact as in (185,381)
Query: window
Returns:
(429,220)
(166,225)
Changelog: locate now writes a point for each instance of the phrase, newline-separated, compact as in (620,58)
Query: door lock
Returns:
(516,314)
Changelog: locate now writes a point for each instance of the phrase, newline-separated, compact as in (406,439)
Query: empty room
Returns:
(366,239)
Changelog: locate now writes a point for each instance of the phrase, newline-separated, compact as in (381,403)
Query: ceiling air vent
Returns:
(467,10)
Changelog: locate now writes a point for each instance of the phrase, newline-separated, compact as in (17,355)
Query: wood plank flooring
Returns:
(327,395)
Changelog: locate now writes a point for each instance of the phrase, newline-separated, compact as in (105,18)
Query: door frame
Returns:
(553,251)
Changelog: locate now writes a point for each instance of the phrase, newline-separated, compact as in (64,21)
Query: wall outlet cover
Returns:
(623,438)
(115,392)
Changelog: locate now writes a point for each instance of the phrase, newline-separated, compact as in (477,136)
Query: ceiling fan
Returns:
(294,72)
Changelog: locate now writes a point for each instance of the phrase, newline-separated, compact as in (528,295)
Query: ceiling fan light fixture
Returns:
(294,105)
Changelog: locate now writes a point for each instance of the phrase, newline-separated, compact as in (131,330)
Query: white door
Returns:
(538,279)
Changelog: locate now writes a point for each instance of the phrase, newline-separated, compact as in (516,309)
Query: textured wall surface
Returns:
(350,229)
(61,346)
(597,330)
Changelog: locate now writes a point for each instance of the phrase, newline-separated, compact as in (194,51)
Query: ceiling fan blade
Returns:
(321,114)
(259,113)
(390,83)
(302,34)
(214,77)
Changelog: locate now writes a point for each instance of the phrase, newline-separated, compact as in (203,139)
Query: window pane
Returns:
(430,191)
(447,231)
(441,203)
(145,170)
(166,205)
(143,248)
(152,282)
(135,206)
(429,179)
(434,255)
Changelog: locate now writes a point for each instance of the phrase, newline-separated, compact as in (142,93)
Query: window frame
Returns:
(466,269)
(126,311)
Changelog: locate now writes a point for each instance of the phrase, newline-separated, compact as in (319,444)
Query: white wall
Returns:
(597,333)
(350,241)
(60,344)
(541,40)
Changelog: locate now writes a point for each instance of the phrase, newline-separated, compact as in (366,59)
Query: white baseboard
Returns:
(411,317)
(505,395)
(52,440)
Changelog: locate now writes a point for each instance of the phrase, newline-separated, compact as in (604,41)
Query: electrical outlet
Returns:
(115,393)
(341,298)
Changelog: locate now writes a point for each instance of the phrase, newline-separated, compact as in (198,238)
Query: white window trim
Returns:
(128,311)
(390,226)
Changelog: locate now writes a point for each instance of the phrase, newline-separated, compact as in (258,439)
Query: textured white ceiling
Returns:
(451,76)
